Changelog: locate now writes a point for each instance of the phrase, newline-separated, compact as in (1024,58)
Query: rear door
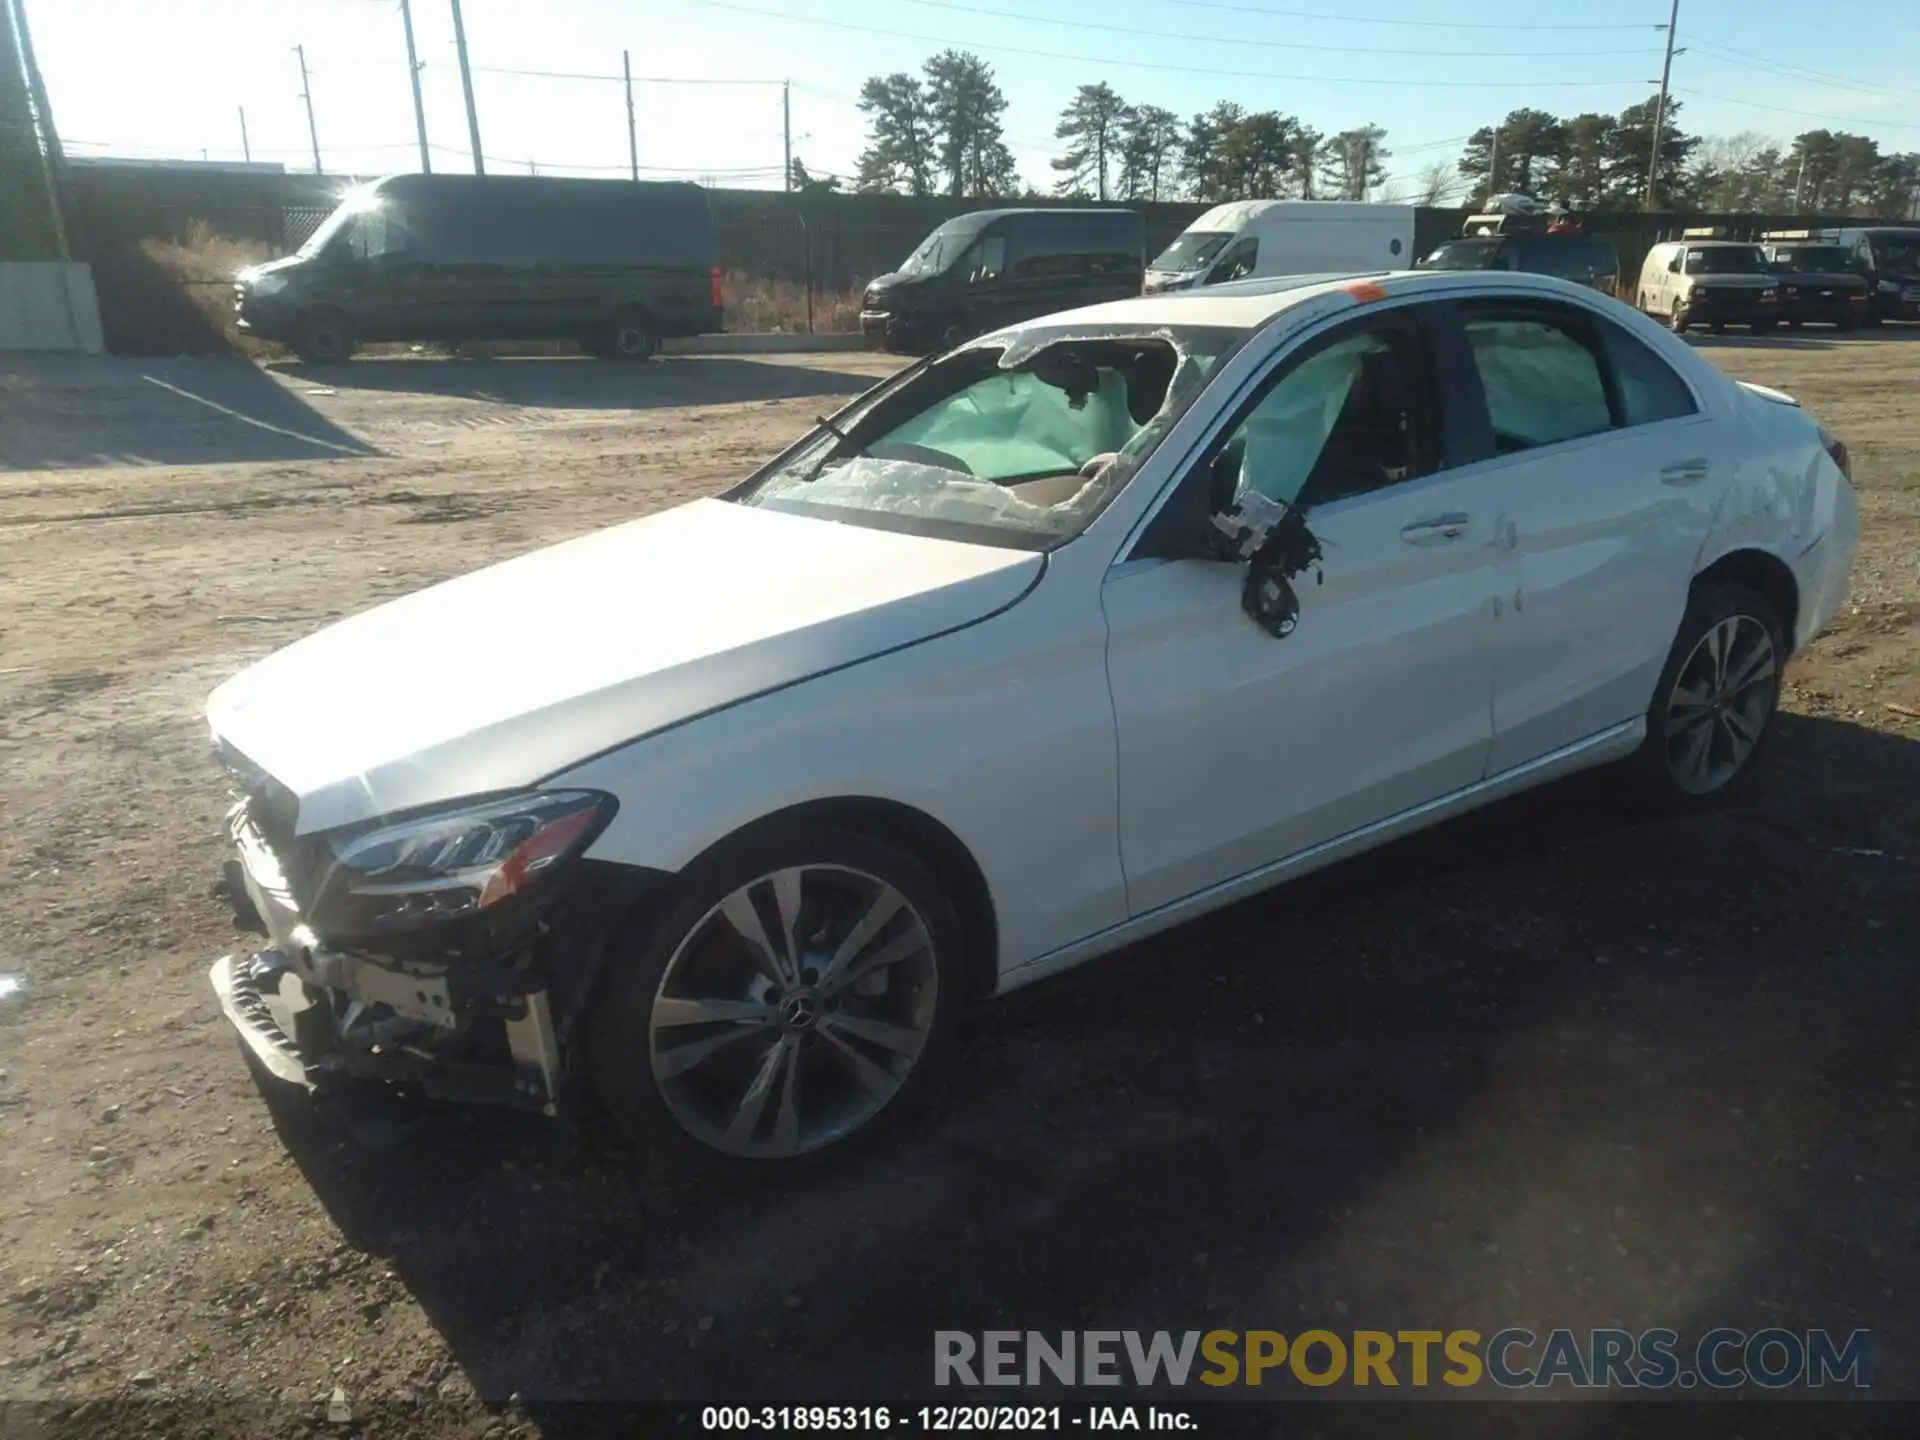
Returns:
(1598,475)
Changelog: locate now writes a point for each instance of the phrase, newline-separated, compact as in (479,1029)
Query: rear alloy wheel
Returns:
(324,338)
(631,337)
(798,992)
(1717,694)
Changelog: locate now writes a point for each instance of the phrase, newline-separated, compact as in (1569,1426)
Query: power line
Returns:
(1082,59)
(1718,55)
(1411,24)
(1271,44)
(1783,110)
(616,79)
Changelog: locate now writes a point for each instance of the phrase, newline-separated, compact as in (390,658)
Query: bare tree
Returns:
(1433,185)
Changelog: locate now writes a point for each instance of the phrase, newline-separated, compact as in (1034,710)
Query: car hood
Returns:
(500,678)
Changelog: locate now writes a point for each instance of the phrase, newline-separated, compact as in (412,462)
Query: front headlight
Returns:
(454,863)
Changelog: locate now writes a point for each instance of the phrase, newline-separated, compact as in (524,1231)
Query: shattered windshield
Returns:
(1019,443)
(1193,250)
(1726,260)
(1464,255)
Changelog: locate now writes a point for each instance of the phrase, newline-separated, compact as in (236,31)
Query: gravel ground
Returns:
(1552,1065)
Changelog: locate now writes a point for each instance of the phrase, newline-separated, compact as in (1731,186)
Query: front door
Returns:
(1238,748)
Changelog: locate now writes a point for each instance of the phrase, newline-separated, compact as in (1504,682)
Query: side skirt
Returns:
(1614,743)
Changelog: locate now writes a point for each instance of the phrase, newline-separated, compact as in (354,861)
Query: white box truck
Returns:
(1247,238)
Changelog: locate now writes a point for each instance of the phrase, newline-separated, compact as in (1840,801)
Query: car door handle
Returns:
(1684,472)
(1440,527)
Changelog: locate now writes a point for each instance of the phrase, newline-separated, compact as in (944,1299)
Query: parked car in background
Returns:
(1248,239)
(997,267)
(616,265)
(1520,242)
(1887,257)
(1090,627)
(1702,279)
(1816,282)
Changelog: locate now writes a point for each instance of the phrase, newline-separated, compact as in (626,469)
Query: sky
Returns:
(156,78)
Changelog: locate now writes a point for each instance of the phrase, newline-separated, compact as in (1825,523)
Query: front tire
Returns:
(1677,320)
(796,995)
(324,337)
(1714,705)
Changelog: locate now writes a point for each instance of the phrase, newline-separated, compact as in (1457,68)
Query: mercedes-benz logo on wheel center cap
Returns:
(799,1011)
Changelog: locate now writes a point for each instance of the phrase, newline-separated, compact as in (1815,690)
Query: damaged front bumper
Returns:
(466,1028)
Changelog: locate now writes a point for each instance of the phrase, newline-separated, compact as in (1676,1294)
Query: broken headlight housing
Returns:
(454,864)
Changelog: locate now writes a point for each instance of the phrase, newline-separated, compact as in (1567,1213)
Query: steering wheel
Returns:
(924,454)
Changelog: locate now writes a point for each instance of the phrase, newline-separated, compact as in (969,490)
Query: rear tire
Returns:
(1714,705)
(705,1042)
(324,337)
(631,336)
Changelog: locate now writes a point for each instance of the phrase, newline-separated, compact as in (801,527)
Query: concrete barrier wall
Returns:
(49,306)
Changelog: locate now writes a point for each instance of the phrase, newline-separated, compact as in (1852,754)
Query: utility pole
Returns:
(1493,166)
(466,84)
(306,94)
(413,74)
(786,127)
(1660,112)
(246,146)
(633,135)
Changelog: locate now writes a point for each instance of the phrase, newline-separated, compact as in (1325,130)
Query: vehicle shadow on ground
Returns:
(66,412)
(1554,1063)
(582,384)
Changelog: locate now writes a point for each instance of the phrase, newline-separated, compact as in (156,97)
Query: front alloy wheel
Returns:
(793,1012)
(1720,704)
(803,985)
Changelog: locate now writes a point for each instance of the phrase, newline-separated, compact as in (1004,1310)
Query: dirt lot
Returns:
(1551,1066)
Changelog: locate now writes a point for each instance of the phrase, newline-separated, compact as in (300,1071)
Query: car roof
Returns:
(1249,304)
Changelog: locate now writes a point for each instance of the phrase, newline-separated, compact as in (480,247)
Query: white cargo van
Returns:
(1247,238)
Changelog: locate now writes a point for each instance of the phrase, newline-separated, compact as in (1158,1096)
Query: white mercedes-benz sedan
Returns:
(1089,627)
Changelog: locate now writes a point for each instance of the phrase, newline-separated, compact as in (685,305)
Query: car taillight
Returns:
(1837,449)
(714,279)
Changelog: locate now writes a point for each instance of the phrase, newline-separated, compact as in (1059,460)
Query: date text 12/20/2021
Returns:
(937,1419)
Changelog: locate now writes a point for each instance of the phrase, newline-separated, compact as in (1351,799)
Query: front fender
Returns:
(1003,732)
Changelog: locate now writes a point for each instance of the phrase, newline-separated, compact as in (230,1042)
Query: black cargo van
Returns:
(991,268)
(614,264)
(1587,259)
